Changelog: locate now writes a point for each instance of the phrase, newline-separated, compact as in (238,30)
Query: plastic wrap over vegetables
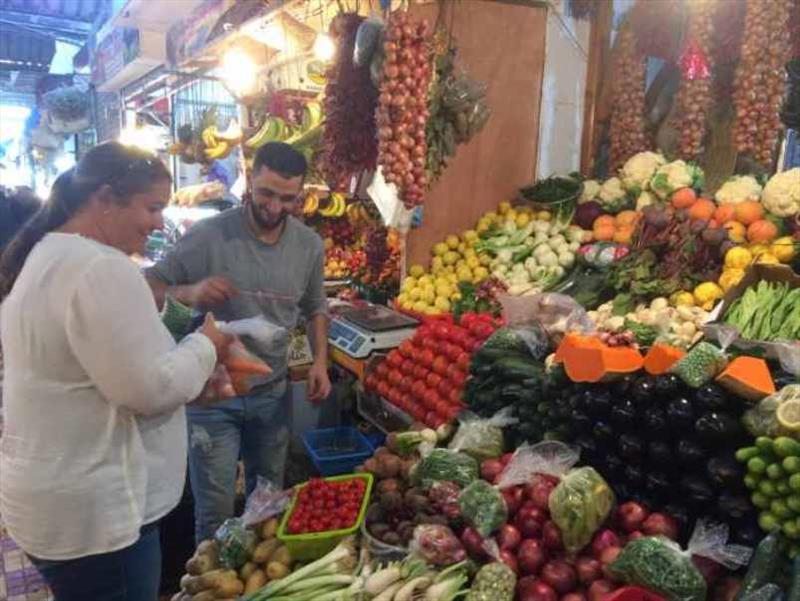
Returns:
(236,543)
(445,465)
(555,313)
(437,545)
(660,565)
(482,438)
(700,365)
(266,501)
(762,419)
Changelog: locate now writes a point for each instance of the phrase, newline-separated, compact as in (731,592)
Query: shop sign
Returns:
(119,48)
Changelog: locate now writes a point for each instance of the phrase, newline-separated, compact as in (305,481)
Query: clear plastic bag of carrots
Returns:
(244,367)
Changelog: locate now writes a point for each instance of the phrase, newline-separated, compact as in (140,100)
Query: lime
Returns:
(452,241)
(751,481)
(793,503)
(775,471)
(768,522)
(760,500)
(794,482)
(440,249)
(786,447)
(757,465)
(779,509)
(790,530)
(792,465)
(788,415)
(767,487)
(764,444)
(783,488)
(746,454)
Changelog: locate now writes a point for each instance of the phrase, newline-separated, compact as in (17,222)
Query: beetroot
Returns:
(660,524)
(589,570)
(560,575)
(603,540)
(551,536)
(490,469)
(531,556)
(631,516)
(538,591)
(509,537)
(586,213)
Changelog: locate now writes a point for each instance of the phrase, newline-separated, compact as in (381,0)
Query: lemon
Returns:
(485,259)
(442,303)
(425,280)
(788,415)
(416,271)
(409,282)
(767,258)
(436,264)
(439,249)
(470,236)
(464,274)
(483,226)
(544,216)
(511,215)
(758,249)
(480,273)
(783,249)
(456,296)
(451,257)
(444,290)
(491,216)
(420,306)
(504,207)
(473,263)
(523,219)
(453,278)
(452,241)
(414,294)
(462,247)
(428,295)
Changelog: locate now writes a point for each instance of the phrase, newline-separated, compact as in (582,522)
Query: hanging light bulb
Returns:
(238,71)
(324,48)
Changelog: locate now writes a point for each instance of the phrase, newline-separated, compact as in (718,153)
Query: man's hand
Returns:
(220,341)
(210,292)
(319,384)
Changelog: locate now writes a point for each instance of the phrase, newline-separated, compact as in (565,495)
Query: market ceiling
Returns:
(66,20)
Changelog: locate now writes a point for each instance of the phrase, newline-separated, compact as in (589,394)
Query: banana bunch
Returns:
(311,204)
(215,146)
(357,213)
(273,130)
(337,204)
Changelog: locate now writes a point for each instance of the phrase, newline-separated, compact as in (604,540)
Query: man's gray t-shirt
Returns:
(289,273)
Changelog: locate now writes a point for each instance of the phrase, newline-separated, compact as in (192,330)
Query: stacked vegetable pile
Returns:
(425,376)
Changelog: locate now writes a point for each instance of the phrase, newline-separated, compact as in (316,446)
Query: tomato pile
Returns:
(323,505)
(425,376)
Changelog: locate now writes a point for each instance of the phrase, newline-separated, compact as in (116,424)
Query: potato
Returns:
(282,555)
(200,564)
(264,550)
(229,586)
(246,570)
(210,579)
(205,596)
(207,546)
(276,571)
(193,584)
(269,529)
(256,580)
(181,596)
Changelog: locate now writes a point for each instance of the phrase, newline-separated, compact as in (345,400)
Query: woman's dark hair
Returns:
(125,169)
(16,207)
(280,158)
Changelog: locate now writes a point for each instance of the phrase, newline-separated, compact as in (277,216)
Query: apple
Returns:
(631,516)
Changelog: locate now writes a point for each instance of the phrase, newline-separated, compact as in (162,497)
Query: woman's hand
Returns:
(220,341)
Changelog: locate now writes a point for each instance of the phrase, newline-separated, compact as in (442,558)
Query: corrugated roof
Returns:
(78,10)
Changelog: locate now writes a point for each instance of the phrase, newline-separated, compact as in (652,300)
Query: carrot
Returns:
(247,366)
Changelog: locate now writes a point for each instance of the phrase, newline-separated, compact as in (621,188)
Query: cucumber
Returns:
(762,566)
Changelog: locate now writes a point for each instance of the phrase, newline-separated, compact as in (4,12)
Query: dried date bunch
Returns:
(628,128)
(403,106)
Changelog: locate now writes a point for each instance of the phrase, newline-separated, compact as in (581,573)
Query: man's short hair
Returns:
(280,158)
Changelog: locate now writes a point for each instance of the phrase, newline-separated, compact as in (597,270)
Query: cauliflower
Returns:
(738,189)
(781,195)
(591,188)
(612,196)
(645,199)
(674,176)
(639,169)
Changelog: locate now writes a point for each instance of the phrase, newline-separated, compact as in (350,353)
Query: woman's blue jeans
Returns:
(130,574)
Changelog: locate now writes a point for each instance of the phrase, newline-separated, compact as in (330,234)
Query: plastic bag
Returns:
(443,464)
(762,420)
(437,545)
(579,505)
(266,338)
(443,496)
(266,501)
(236,543)
(244,367)
(482,438)
(660,565)
(177,318)
(219,387)
(556,313)
(525,339)
(700,365)
(190,196)
(367,37)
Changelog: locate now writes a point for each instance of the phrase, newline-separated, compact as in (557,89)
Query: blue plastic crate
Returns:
(376,439)
(336,450)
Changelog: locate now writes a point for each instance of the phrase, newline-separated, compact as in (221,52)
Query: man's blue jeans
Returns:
(254,427)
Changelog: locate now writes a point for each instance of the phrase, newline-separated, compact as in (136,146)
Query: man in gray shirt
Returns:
(252,260)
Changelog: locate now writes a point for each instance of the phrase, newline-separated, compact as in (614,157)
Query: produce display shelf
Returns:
(381,413)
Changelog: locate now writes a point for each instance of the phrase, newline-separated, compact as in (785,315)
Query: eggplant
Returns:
(680,415)
(782,378)
(667,386)
(680,513)
(657,485)
(623,415)
(724,471)
(634,476)
(643,390)
(598,403)
(698,492)
(613,467)
(711,397)
(582,423)
(631,448)
(575,401)
(623,386)
(655,423)
(603,433)
(748,534)
(689,454)
(733,506)
(659,453)
(716,428)
(587,445)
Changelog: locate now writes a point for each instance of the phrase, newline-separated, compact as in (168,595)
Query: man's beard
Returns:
(265,222)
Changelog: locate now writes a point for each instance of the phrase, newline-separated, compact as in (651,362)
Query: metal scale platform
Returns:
(360,331)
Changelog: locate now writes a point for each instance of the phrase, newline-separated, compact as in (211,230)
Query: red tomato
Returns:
(452,412)
(370,382)
(394,396)
(431,343)
(456,376)
(463,362)
(406,383)
(395,359)
(430,419)
(433,380)
(440,365)
(482,330)
(455,396)
(382,369)
(383,388)
(406,348)
(471,344)
(418,412)
(394,377)
(426,358)
(441,331)
(430,398)
(445,388)
(420,372)
(423,332)
(418,388)
(407,367)
(442,406)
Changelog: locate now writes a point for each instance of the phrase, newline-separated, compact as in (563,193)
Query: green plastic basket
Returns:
(311,546)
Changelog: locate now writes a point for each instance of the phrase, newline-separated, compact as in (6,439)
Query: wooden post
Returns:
(599,53)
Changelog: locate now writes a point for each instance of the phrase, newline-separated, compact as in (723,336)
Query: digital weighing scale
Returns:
(360,331)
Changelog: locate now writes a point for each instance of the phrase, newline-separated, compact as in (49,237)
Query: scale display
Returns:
(360,331)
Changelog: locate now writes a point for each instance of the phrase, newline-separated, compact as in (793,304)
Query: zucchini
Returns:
(517,368)
(762,568)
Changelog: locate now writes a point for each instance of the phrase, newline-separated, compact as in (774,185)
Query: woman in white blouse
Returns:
(94,448)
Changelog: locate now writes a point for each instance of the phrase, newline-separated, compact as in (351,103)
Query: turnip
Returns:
(560,575)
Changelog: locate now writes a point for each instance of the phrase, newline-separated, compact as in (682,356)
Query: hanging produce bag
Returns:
(660,565)
(482,438)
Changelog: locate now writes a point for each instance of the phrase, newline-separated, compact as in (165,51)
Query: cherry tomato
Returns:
(463,361)
(382,369)
(440,365)
(426,358)
(394,377)
(394,358)
(406,348)
(418,389)
(433,380)
(406,383)
(407,367)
